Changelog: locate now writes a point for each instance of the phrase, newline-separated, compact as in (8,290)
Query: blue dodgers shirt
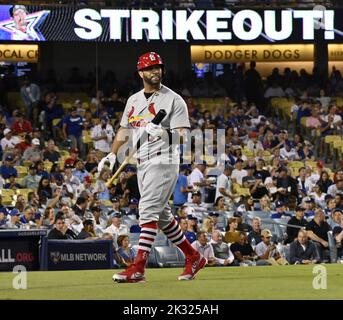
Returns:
(180,197)
(74,125)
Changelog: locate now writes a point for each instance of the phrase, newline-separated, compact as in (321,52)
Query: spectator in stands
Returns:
(72,129)
(197,179)
(125,253)
(181,189)
(3,219)
(91,164)
(274,91)
(222,253)
(305,184)
(286,185)
(48,218)
(265,250)
(280,211)
(33,153)
(59,230)
(337,234)
(335,219)
(223,187)
(14,221)
(74,155)
(116,228)
(303,250)
(247,204)
(52,110)
(87,233)
(288,153)
(324,182)
(44,187)
(336,188)
(238,173)
(21,126)
(183,224)
(28,217)
(79,170)
(243,251)
(330,205)
(31,180)
(80,207)
(12,183)
(219,205)
(254,236)
(131,187)
(265,204)
(231,234)
(317,230)
(8,142)
(202,246)
(253,143)
(103,135)
(197,204)
(7,168)
(100,186)
(30,93)
(208,226)
(309,206)
(192,228)
(297,220)
(50,152)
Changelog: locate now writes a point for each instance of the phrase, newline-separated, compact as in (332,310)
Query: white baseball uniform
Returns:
(158,161)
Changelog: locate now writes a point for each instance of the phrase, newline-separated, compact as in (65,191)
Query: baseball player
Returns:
(158,165)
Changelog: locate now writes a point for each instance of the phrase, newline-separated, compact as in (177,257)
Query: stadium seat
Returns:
(22,171)
(7,192)
(161,240)
(168,257)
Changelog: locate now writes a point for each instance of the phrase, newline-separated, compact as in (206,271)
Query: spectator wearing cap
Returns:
(238,173)
(79,171)
(50,152)
(317,230)
(181,188)
(288,153)
(85,187)
(72,129)
(205,248)
(267,251)
(285,184)
(33,153)
(280,211)
(7,168)
(103,135)
(213,215)
(12,183)
(116,228)
(197,179)
(133,207)
(21,126)
(295,223)
(14,219)
(336,188)
(9,141)
(253,143)
(335,219)
(222,253)
(303,250)
(309,206)
(131,187)
(197,204)
(71,182)
(116,205)
(192,226)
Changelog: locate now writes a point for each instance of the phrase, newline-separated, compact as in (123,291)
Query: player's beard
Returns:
(153,81)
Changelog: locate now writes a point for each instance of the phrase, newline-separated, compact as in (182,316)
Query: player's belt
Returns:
(150,156)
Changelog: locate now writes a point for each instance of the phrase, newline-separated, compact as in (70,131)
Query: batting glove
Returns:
(111,158)
(154,130)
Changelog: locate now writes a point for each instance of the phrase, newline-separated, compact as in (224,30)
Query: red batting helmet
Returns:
(149,59)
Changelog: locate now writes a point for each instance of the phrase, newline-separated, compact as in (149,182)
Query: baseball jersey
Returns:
(139,111)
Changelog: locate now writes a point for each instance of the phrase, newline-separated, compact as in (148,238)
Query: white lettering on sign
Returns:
(218,25)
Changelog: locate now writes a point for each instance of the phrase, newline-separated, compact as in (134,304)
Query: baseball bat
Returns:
(157,120)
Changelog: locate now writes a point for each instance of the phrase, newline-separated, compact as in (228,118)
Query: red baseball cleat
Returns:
(193,265)
(130,275)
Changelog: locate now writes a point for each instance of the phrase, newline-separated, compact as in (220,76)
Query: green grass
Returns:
(287,282)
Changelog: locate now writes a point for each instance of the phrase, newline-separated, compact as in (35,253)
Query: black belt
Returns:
(150,156)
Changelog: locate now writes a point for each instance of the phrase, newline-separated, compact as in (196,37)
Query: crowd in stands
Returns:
(274,201)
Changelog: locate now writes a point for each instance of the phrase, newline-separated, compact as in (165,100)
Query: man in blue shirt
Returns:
(7,169)
(181,188)
(72,129)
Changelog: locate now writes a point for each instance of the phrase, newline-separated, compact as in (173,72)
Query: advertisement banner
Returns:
(79,254)
(20,248)
(19,53)
(246,53)
(67,23)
